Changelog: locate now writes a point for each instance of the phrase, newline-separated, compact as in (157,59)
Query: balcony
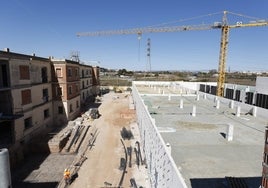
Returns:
(45,98)
(18,112)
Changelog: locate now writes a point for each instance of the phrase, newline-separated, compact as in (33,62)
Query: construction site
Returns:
(153,134)
(214,142)
(99,152)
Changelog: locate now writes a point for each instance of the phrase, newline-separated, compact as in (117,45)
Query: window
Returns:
(28,123)
(76,72)
(60,110)
(44,75)
(69,72)
(45,95)
(70,90)
(77,104)
(24,72)
(71,108)
(59,91)
(87,82)
(26,97)
(4,81)
(87,72)
(58,72)
(46,113)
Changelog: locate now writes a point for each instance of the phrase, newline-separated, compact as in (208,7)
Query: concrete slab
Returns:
(199,145)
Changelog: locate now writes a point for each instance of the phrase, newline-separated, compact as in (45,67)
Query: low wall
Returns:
(245,108)
(162,169)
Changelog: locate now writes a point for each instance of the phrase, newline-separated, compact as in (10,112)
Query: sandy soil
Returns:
(103,157)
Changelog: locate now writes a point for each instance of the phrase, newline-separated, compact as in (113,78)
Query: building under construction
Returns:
(189,136)
(214,141)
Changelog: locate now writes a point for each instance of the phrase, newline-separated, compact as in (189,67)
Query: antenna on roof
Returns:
(74,56)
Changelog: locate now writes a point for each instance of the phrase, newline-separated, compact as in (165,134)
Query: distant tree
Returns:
(125,72)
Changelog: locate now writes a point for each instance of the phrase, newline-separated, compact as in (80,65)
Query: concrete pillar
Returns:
(153,120)
(169,97)
(194,111)
(5,176)
(234,87)
(215,99)
(181,103)
(238,109)
(205,96)
(254,98)
(197,97)
(218,104)
(231,104)
(163,92)
(230,132)
(168,146)
(159,90)
(254,111)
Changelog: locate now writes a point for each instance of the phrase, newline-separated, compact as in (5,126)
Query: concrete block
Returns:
(230,132)
(181,103)
(194,111)
(238,110)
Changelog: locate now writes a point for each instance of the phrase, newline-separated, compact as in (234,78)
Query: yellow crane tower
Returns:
(225,28)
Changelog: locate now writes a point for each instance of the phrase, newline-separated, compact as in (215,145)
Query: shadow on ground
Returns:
(228,182)
(35,185)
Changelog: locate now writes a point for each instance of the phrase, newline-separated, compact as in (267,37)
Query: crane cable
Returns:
(185,19)
(242,15)
(202,16)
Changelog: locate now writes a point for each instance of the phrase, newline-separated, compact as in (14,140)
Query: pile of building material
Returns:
(71,137)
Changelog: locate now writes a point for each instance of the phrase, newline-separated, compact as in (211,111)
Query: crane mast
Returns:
(223,53)
(225,29)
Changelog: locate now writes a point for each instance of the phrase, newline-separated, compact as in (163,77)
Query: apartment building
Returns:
(86,84)
(66,90)
(37,95)
(25,98)
(96,80)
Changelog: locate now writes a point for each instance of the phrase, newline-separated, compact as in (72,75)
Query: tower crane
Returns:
(225,28)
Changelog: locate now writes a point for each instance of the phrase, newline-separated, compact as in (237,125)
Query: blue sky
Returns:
(49,27)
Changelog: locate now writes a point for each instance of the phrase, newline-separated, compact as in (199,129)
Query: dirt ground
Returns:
(98,162)
(104,147)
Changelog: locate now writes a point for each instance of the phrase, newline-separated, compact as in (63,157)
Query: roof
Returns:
(199,143)
(8,54)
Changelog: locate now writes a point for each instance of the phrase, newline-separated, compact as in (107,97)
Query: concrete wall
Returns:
(162,169)
(39,122)
(59,119)
(76,109)
(245,108)
(35,67)
(261,85)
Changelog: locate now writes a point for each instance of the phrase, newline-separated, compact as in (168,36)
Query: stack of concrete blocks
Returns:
(76,131)
(57,143)
(162,169)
